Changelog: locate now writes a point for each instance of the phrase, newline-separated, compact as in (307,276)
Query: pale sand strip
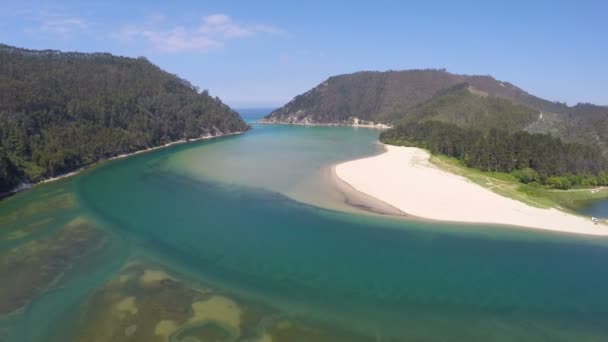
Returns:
(26,186)
(404,178)
(354,124)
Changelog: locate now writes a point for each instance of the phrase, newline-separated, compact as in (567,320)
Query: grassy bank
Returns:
(508,185)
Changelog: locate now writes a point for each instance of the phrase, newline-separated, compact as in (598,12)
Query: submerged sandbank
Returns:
(404,178)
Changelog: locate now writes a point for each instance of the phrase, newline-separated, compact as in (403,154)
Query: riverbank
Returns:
(306,123)
(404,178)
(25,186)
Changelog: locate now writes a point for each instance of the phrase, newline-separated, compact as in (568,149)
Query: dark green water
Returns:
(598,208)
(379,276)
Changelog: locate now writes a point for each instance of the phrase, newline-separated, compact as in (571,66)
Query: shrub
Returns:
(527,175)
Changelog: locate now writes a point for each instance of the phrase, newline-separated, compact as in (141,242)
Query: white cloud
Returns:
(211,34)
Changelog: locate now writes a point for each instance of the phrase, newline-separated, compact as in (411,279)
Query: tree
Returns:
(8,173)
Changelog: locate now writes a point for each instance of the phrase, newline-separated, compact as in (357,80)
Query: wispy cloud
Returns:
(211,33)
(51,22)
(62,25)
(221,24)
(177,39)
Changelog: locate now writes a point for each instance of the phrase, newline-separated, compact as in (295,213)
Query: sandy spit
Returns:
(404,178)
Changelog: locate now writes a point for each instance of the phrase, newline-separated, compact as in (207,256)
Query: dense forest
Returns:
(60,111)
(538,158)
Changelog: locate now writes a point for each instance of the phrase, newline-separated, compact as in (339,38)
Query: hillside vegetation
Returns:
(531,158)
(479,102)
(460,106)
(60,111)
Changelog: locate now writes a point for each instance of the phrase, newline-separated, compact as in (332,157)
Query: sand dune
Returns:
(404,178)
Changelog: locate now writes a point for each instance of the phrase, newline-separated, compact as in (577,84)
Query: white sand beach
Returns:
(405,178)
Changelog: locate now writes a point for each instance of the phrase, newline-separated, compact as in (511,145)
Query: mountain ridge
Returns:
(388,97)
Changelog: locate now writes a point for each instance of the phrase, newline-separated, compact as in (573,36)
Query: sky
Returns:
(263,53)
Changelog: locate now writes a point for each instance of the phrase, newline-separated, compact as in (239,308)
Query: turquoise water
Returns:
(292,160)
(209,210)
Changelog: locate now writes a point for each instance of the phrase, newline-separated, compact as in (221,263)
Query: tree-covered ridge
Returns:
(388,96)
(60,111)
(462,106)
(533,157)
(368,95)
(392,96)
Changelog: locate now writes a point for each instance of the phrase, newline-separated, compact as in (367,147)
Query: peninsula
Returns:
(545,151)
(405,178)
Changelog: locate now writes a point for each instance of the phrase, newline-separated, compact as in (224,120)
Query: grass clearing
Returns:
(509,186)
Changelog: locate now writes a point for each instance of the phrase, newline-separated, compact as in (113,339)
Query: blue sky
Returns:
(262,53)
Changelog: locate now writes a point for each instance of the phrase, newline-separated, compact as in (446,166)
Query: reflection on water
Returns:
(238,260)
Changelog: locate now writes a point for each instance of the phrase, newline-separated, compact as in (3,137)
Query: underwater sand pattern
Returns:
(33,267)
(145,303)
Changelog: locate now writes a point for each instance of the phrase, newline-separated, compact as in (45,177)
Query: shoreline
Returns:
(26,186)
(404,178)
(377,126)
(361,201)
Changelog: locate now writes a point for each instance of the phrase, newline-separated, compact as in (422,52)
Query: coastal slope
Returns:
(405,178)
(60,111)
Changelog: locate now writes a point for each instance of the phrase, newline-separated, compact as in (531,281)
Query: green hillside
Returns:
(480,102)
(60,111)
(465,108)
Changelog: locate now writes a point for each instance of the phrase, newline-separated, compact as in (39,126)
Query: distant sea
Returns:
(253,114)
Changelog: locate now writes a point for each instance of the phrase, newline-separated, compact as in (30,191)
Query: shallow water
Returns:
(292,160)
(598,208)
(222,213)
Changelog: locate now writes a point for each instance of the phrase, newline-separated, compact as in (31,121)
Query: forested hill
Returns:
(394,97)
(63,110)
(388,96)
